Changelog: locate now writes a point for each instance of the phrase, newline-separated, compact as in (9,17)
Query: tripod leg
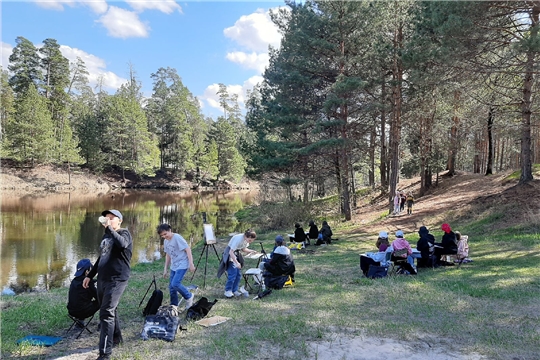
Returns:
(205,266)
(214,247)
(198,261)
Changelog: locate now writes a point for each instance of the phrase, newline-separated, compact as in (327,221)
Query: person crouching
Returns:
(280,266)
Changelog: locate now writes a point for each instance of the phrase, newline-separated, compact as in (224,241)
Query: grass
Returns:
(489,306)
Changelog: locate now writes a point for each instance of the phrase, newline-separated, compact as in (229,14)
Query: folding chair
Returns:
(257,278)
(81,323)
(398,261)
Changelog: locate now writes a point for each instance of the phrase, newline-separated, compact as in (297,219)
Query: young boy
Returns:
(180,259)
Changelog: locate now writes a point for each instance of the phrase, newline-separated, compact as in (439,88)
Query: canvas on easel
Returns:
(209,236)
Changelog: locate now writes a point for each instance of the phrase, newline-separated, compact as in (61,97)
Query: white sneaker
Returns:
(244,291)
(237,293)
(229,294)
(189,302)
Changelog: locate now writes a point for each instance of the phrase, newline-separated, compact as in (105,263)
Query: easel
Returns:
(209,242)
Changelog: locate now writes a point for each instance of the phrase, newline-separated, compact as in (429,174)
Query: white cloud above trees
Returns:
(211,98)
(96,68)
(121,23)
(254,31)
(6,49)
(98,6)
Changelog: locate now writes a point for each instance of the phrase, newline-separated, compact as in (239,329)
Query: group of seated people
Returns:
(320,237)
(431,251)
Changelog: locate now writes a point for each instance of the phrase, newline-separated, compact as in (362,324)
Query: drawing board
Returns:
(209,234)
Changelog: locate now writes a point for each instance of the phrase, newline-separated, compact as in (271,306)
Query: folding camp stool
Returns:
(80,323)
(257,278)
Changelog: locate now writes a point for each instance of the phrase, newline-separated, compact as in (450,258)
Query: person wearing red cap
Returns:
(448,246)
(113,267)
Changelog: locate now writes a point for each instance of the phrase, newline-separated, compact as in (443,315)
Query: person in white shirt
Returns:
(179,259)
(233,261)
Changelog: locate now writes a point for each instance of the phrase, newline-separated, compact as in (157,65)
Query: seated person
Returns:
(313,230)
(300,235)
(280,266)
(401,244)
(326,233)
(426,247)
(449,244)
(382,242)
(82,303)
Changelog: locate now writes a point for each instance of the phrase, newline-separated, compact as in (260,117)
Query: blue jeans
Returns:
(233,277)
(175,286)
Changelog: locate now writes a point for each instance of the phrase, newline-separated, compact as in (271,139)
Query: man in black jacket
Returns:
(82,302)
(113,267)
(281,262)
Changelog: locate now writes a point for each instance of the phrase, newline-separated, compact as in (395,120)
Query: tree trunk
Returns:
(525,159)
(395,128)
(371,174)
(383,168)
(489,163)
(451,164)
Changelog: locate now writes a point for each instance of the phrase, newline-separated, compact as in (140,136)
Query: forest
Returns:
(359,93)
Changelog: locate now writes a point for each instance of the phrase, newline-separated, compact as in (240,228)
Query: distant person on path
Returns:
(313,231)
(232,262)
(113,267)
(397,202)
(179,260)
(382,242)
(410,202)
(82,302)
(402,200)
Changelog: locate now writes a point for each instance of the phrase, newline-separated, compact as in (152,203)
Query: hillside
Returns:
(463,197)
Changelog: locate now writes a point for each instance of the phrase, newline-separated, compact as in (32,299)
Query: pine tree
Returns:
(24,65)
(31,131)
(7,109)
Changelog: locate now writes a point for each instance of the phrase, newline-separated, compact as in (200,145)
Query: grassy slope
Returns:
(489,306)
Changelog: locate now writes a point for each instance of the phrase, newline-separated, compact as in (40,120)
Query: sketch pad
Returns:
(212,321)
(209,234)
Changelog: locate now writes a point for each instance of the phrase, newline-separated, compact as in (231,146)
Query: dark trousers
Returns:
(88,311)
(109,294)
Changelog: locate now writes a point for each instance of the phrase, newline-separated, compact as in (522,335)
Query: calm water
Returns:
(43,237)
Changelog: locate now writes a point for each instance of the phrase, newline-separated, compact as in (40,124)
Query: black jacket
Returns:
(114,262)
(424,242)
(326,233)
(299,235)
(449,242)
(313,232)
(82,301)
(280,263)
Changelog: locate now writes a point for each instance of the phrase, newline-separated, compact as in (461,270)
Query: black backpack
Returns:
(155,301)
(200,309)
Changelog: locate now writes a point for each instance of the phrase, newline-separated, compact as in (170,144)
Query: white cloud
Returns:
(98,6)
(254,31)
(6,50)
(250,61)
(166,6)
(123,24)
(211,98)
(96,68)
(54,4)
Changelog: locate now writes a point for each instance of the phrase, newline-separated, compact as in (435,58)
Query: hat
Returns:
(383,234)
(446,228)
(82,266)
(399,233)
(280,239)
(116,213)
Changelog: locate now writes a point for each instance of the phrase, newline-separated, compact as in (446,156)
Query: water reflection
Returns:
(43,237)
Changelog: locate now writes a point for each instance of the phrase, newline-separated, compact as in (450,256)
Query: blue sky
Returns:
(206,42)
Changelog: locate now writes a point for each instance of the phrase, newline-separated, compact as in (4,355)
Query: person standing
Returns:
(113,267)
(410,202)
(397,200)
(179,259)
(232,262)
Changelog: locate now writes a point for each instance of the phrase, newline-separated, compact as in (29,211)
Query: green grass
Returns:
(489,306)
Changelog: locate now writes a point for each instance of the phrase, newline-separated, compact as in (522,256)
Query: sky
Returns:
(207,42)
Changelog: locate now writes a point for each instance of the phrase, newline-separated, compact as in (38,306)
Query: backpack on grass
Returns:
(155,301)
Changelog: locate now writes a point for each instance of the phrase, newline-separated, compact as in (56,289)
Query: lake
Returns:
(44,236)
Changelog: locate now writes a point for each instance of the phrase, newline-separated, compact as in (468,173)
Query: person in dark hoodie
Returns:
(449,242)
(113,267)
(326,232)
(313,230)
(426,247)
(300,234)
(82,302)
(281,263)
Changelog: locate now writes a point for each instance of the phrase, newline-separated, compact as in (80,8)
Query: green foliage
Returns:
(24,65)
(31,133)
